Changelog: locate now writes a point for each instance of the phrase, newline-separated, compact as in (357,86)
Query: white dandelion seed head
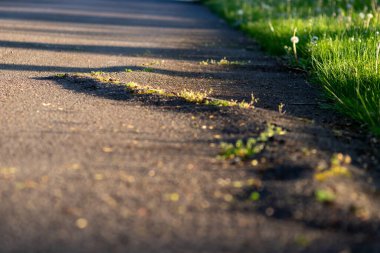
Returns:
(369,15)
(377,33)
(362,15)
(240,12)
(294,39)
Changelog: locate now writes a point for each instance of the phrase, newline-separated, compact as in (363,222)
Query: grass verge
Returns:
(338,41)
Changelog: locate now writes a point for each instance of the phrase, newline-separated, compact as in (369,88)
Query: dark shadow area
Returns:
(86,19)
(110,35)
(279,202)
(117,92)
(150,9)
(246,80)
(165,53)
(20,67)
(223,74)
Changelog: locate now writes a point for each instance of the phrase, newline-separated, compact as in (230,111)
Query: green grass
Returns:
(324,196)
(338,44)
(194,96)
(222,62)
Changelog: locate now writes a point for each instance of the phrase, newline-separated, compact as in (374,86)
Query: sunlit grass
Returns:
(194,96)
(338,42)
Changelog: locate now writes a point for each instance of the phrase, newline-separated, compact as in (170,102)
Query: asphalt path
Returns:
(89,169)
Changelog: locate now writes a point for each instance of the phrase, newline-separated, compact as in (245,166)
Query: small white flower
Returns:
(369,16)
(362,15)
(240,12)
(294,39)
(377,33)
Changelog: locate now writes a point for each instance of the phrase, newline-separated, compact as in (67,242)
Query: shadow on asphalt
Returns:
(273,196)
(283,202)
(253,77)
(164,53)
(145,14)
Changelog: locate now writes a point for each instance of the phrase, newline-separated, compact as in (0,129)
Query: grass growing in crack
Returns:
(97,73)
(232,103)
(222,62)
(60,75)
(194,96)
(136,88)
(338,41)
(245,150)
(199,97)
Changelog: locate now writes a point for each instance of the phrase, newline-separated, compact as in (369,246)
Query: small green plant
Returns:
(255,196)
(281,108)
(147,70)
(324,196)
(248,149)
(222,62)
(97,73)
(132,85)
(61,75)
(136,88)
(338,167)
(128,70)
(194,96)
(242,104)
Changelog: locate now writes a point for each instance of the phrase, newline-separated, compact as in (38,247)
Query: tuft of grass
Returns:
(60,75)
(245,150)
(132,85)
(128,70)
(338,42)
(97,73)
(136,88)
(222,62)
(232,103)
(194,96)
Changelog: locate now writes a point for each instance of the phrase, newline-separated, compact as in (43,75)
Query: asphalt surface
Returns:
(88,168)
